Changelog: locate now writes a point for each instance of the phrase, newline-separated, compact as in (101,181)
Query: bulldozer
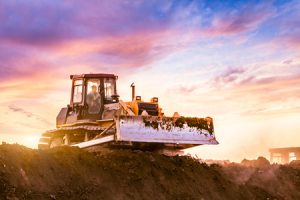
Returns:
(97,116)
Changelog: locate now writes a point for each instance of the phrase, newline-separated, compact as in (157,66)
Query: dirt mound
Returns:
(71,173)
(295,163)
(259,162)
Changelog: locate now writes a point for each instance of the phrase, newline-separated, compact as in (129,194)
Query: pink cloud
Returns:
(127,52)
(232,22)
(230,75)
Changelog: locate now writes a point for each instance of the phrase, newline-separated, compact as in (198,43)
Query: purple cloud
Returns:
(287,62)
(47,22)
(126,34)
(44,35)
(28,114)
(230,76)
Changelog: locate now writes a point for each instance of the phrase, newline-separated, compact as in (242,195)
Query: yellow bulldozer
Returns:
(97,116)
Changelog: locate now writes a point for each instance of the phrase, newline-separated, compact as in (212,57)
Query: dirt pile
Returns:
(259,162)
(71,173)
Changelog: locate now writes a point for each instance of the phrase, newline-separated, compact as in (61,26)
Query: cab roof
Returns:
(93,76)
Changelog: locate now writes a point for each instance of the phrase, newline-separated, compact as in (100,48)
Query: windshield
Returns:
(93,97)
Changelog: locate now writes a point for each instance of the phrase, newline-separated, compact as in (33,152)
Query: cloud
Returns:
(54,37)
(47,38)
(20,110)
(251,82)
(232,75)
(234,21)
(183,89)
(288,62)
(28,114)
(47,22)
(50,22)
(260,89)
(134,51)
(33,22)
(283,28)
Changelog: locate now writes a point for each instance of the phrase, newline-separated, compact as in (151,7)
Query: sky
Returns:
(236,61)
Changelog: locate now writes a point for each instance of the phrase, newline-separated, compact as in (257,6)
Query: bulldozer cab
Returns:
(90,92)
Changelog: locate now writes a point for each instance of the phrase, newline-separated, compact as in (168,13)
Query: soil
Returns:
(72,173)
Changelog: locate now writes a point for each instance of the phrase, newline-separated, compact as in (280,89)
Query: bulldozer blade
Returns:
(168,130)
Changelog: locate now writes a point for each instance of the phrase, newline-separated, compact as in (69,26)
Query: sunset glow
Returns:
(238,62)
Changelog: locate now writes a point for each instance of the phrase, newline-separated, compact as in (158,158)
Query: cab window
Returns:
(93,97)
(109,88)
(77,93)
(92,83)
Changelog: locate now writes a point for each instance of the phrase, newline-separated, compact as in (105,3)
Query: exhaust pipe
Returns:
(132,91)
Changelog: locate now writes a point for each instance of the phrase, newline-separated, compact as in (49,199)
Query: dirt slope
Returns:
(71,173)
